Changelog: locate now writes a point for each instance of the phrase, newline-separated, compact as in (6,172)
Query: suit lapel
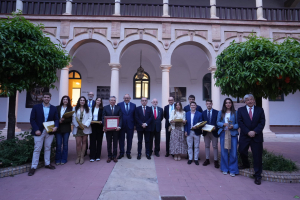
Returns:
(205,115)
(255,113)
(246,112)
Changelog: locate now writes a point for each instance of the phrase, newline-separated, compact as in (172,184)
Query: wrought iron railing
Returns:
(87,8)
(141,10)
(282,14)
(44,7)
(236,13)
(186,11)
(7,6)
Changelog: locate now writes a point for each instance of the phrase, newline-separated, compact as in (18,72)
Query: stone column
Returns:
(68,7)
(64,82)
(114,82)
(267,131)
(19,5)
(165,83)
(213,9)
(117,7)
(16,112)
(215,91)
(259,6)
(166,8)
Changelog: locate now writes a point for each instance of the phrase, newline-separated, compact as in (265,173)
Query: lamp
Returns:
(140,71)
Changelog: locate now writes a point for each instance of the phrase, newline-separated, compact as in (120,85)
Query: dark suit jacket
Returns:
(65,126)
(166,115)
(100,112)
(257,124)
(156,124)
(140,118)
(197,118)
(128,119)
(187,108)
(214,116)
(37,117)
(107,112)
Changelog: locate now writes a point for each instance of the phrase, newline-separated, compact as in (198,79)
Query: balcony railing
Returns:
(184,11)
(282,14)
(85,8)
(44,7)
(7,6)
(141,10)
(237,13)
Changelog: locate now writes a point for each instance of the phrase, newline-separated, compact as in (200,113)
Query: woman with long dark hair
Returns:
(81,119)
(97,131)
(63,131)
(228,131)
(178,144)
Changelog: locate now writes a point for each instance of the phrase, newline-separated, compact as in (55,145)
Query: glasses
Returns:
(144,100)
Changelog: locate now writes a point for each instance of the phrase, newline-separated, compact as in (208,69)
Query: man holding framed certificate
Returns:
(112,123)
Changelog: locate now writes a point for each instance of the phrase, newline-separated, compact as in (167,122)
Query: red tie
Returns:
(155,113)
(250,113)
(144,111)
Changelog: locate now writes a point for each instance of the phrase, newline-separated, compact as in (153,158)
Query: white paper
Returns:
(208,128)
(112,123)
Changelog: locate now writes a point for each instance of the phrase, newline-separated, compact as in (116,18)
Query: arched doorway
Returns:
(74,86)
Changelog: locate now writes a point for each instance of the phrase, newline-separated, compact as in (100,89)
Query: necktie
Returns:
(144,110)
(250,113)
(208,117)
(172,107)
(127,108)
(155,113)
(89,103)
(112,110)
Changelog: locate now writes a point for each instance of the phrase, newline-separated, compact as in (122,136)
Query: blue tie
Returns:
(208,117)
(89,103)
(127,108)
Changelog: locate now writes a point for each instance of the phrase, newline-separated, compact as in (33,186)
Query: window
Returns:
(206,86)
(74,86)
(141,87)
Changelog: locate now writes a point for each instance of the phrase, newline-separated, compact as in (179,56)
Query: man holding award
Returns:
(44,121)
(112,123)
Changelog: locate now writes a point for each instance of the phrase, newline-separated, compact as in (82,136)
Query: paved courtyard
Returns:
(147,179)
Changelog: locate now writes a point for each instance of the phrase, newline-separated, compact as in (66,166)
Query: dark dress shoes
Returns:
(257,181)
(216,164)
(128,156)
(108,160)
(189,162)
(50,166)
(115,160)
(196,162)
(148,157)
(120,156)
(139,157)
(157,154)
(167,155)
(31,172)
(206,162)
(243,167)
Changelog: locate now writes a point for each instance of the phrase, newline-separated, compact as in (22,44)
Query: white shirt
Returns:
(171,107)
(95,114)
(62,111)
(227,116)
(248,109)
(192,119)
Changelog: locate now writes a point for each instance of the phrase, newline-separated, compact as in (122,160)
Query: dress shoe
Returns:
(128,156)
(216,164)
(31,172)
(108,160)
(196,162)
(257,181)
(120,156)
(50,166)
(139,157)
(167,155)
(189,162)
(115,160)
(157,154)
(148,157)
(206,162)
(243,167)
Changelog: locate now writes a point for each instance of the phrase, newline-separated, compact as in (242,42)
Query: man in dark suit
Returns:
(128,111)
(143,118)
(167,113)
(40,113)
(112,136)
(251,120)
(156,127)
(210,115)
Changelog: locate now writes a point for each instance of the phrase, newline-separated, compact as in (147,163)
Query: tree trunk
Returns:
(258,101)
(11,116)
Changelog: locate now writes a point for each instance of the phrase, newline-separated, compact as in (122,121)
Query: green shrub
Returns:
(272,162)
(18,151)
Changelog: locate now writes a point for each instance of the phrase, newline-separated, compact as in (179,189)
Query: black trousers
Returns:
(155,135)
(257,149)
(168,134)
(112,140)
(146,135)
(96,138)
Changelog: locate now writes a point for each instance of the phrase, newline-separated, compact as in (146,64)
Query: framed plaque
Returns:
(111,122)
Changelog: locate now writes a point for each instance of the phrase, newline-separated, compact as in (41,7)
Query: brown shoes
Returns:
(115,160)
(31,172)
(50,166)
(108,160)
(216,164)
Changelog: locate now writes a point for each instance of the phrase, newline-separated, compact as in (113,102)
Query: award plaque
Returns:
(111,122)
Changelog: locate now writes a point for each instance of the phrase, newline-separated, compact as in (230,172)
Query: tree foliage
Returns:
(27,57)
(258,66)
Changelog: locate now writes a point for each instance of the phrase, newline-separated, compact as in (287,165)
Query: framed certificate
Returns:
(111,122)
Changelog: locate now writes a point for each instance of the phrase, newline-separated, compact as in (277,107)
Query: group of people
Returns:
(182,134)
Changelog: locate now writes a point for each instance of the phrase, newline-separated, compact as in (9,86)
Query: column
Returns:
(165,83)
(117,7)
(19,5)
(213,9)
(64,82)
(215,91)
(114,82)
(267,131)
(68,7)
(166,8)
(259,6)
(16,112)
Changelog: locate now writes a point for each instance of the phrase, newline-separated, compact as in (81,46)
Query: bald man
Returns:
(156,127)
